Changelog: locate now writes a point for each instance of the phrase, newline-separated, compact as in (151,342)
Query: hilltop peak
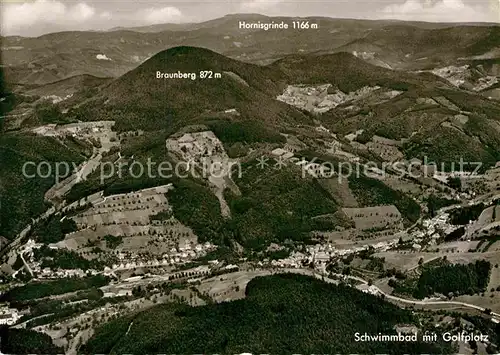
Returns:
(189,50)
(185,58)
(245,15)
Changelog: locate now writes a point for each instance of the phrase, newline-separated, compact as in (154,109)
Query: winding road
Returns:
(389,296)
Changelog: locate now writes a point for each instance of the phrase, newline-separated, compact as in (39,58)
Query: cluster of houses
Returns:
(439,223)
(81,129)
(192,147)
(47,273)
(454,74)
(460,75)
(432,230)
(34,266)
(373,290)
(322,98)
(178,255)
(321,254)
(9,316)
(314,99)
(182,254)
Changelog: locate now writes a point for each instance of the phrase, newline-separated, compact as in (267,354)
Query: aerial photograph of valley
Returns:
(250,177)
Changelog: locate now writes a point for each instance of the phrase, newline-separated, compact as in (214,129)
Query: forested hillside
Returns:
(22,197)
(281,314)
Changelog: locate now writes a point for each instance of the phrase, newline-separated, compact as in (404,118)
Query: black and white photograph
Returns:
(249,177)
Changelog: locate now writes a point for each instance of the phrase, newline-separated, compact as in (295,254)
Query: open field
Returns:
(375,218)
(229,286)
(409,260)
(142,220)
(461,246)
(485,301)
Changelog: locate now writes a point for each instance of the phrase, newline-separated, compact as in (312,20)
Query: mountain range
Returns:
(327,136)
(423,108)
(393,44)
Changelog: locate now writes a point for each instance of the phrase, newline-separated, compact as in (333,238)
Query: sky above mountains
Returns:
(36,17)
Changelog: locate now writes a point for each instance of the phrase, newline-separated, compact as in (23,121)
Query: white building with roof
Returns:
(279,152)
(9,316)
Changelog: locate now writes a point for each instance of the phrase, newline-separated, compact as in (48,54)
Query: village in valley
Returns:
(288,181)
(148,256)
